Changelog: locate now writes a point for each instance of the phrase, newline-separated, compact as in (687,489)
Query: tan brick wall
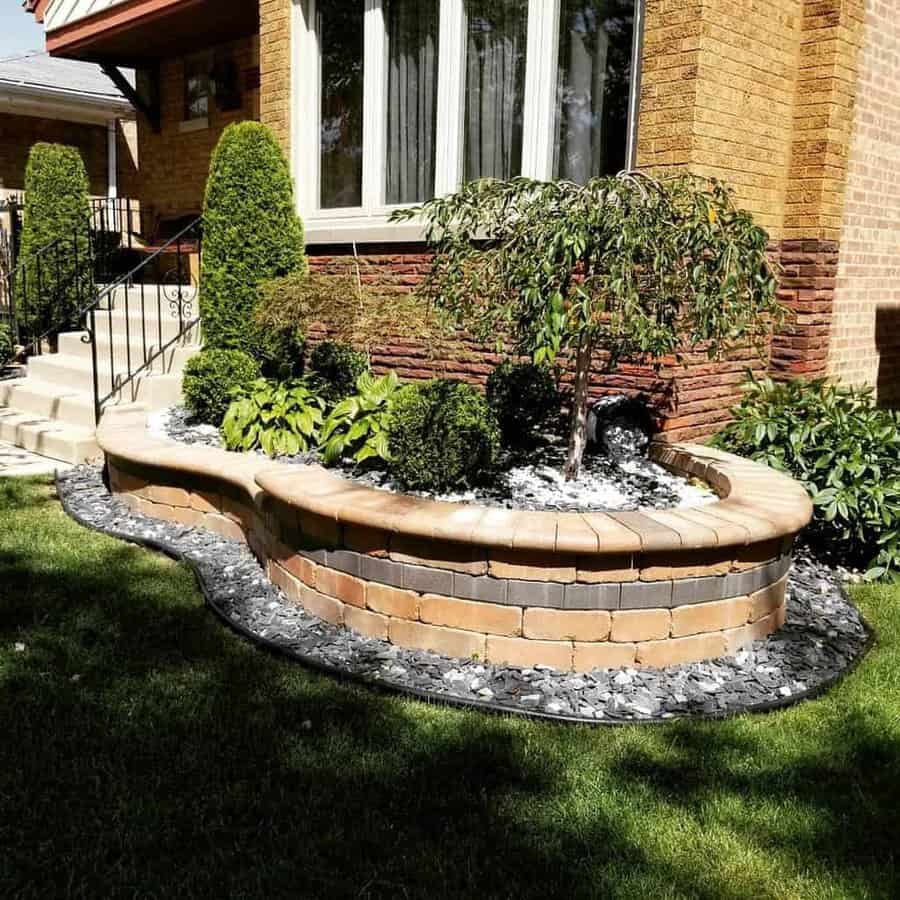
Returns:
(19,133)
(275,67)
(174,163)
(865,345)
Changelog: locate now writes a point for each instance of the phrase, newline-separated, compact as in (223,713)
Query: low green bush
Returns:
(334,367)
(357,427)
(282,418)
(282,353)
(210,378)
(442,435)
(7,350)
(524,398)
(845,451)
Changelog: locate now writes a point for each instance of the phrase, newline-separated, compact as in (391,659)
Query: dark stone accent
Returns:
(536,593)
(480,587)
(592,596)
(646,595)
(427,581)
(381,570)
(698,590)
(345,561)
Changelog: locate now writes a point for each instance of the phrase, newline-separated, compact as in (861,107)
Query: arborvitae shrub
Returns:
(524,398)
(6,345)
(58,282)
(442,435)
(210,378)
(335,368)
(251,233)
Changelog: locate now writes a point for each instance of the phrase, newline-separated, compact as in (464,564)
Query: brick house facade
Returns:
(792,102)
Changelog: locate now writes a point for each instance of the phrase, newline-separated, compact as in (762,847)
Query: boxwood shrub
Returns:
(845,451)
(210,379)
(6,345)
(524,398)
(335,368)
(251,233)
(442,435)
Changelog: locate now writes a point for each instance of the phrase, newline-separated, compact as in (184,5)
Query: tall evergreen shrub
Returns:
(251,233)
(59,281)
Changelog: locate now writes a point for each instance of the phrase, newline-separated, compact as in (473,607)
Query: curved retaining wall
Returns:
(568,590)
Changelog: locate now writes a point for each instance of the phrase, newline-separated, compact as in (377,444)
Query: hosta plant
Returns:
(282,418)
(357,428)
(845,451)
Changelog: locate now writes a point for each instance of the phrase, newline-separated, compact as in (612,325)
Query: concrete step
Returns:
(58,440)
(50,401)
(71,344)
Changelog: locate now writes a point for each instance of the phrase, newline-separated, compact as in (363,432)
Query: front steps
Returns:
(51,410)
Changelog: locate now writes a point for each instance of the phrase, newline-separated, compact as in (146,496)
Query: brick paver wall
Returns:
(865,345)
(19,133)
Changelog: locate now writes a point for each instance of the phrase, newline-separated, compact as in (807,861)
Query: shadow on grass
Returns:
(149,752)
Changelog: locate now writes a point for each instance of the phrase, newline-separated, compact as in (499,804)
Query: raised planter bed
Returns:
(569,590)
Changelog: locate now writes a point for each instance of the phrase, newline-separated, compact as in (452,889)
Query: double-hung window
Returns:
(397,101)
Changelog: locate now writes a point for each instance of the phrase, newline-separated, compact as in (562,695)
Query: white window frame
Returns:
(369,221)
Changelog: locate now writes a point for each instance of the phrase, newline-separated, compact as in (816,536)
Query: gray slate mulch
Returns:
(823,639)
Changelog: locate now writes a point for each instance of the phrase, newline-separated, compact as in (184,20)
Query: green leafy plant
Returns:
(7,350)
(624,267)
(442,435)
(251,233)
(524,398)
(210,378)
(54,285)
(282,418)
(282,353)
(845,451)
(358,426)
(336,368)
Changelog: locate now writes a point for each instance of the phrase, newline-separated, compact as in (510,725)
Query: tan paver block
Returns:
(757,553)
(694,536)
(495,528)
(758,527)
(190,517)
(523,652)
(371,541)
(535,531)
(603,655)
(239,512)
(319,530)
(283,579)
(206,502)
(736,638)
(654,536)
(635,625)
(392,601)
(366,622)
(763,602)
(602,569)
(171,496)
(728,534)
(574,535)
(224,526)
(448,641)
(342,586)
(129,482)
(470,615)
(532,565)
(439,555)
(300,567)
(717,615)
(612,537)
(685,564)
(561,625)
(674,651)
(326,608)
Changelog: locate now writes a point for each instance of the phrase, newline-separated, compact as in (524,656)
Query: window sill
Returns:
(361,230)
(193,125)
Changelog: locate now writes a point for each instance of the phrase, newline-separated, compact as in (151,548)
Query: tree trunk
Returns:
(578,431)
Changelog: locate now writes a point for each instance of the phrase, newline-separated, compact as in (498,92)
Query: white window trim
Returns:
(369,222)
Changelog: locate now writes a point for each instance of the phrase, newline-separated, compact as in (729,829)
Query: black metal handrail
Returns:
(176,288)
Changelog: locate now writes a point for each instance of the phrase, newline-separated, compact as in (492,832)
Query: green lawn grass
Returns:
(147,751)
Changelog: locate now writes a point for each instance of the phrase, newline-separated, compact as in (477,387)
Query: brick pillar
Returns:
(275,68)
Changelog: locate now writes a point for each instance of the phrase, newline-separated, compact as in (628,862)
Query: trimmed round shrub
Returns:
(251,233)
(7,350)
(209,379)
(335,368)
(281,353)
(442,435)
(524,398)
(57,209)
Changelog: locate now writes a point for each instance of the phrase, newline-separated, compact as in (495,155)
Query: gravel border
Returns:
(824,639)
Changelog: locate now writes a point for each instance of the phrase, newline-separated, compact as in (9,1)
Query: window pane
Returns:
(593,86)
(341,41)
(196,88)
(497,33)
(412,33)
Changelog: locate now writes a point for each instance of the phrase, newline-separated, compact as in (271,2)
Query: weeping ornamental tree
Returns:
(625,267)
(251,233)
